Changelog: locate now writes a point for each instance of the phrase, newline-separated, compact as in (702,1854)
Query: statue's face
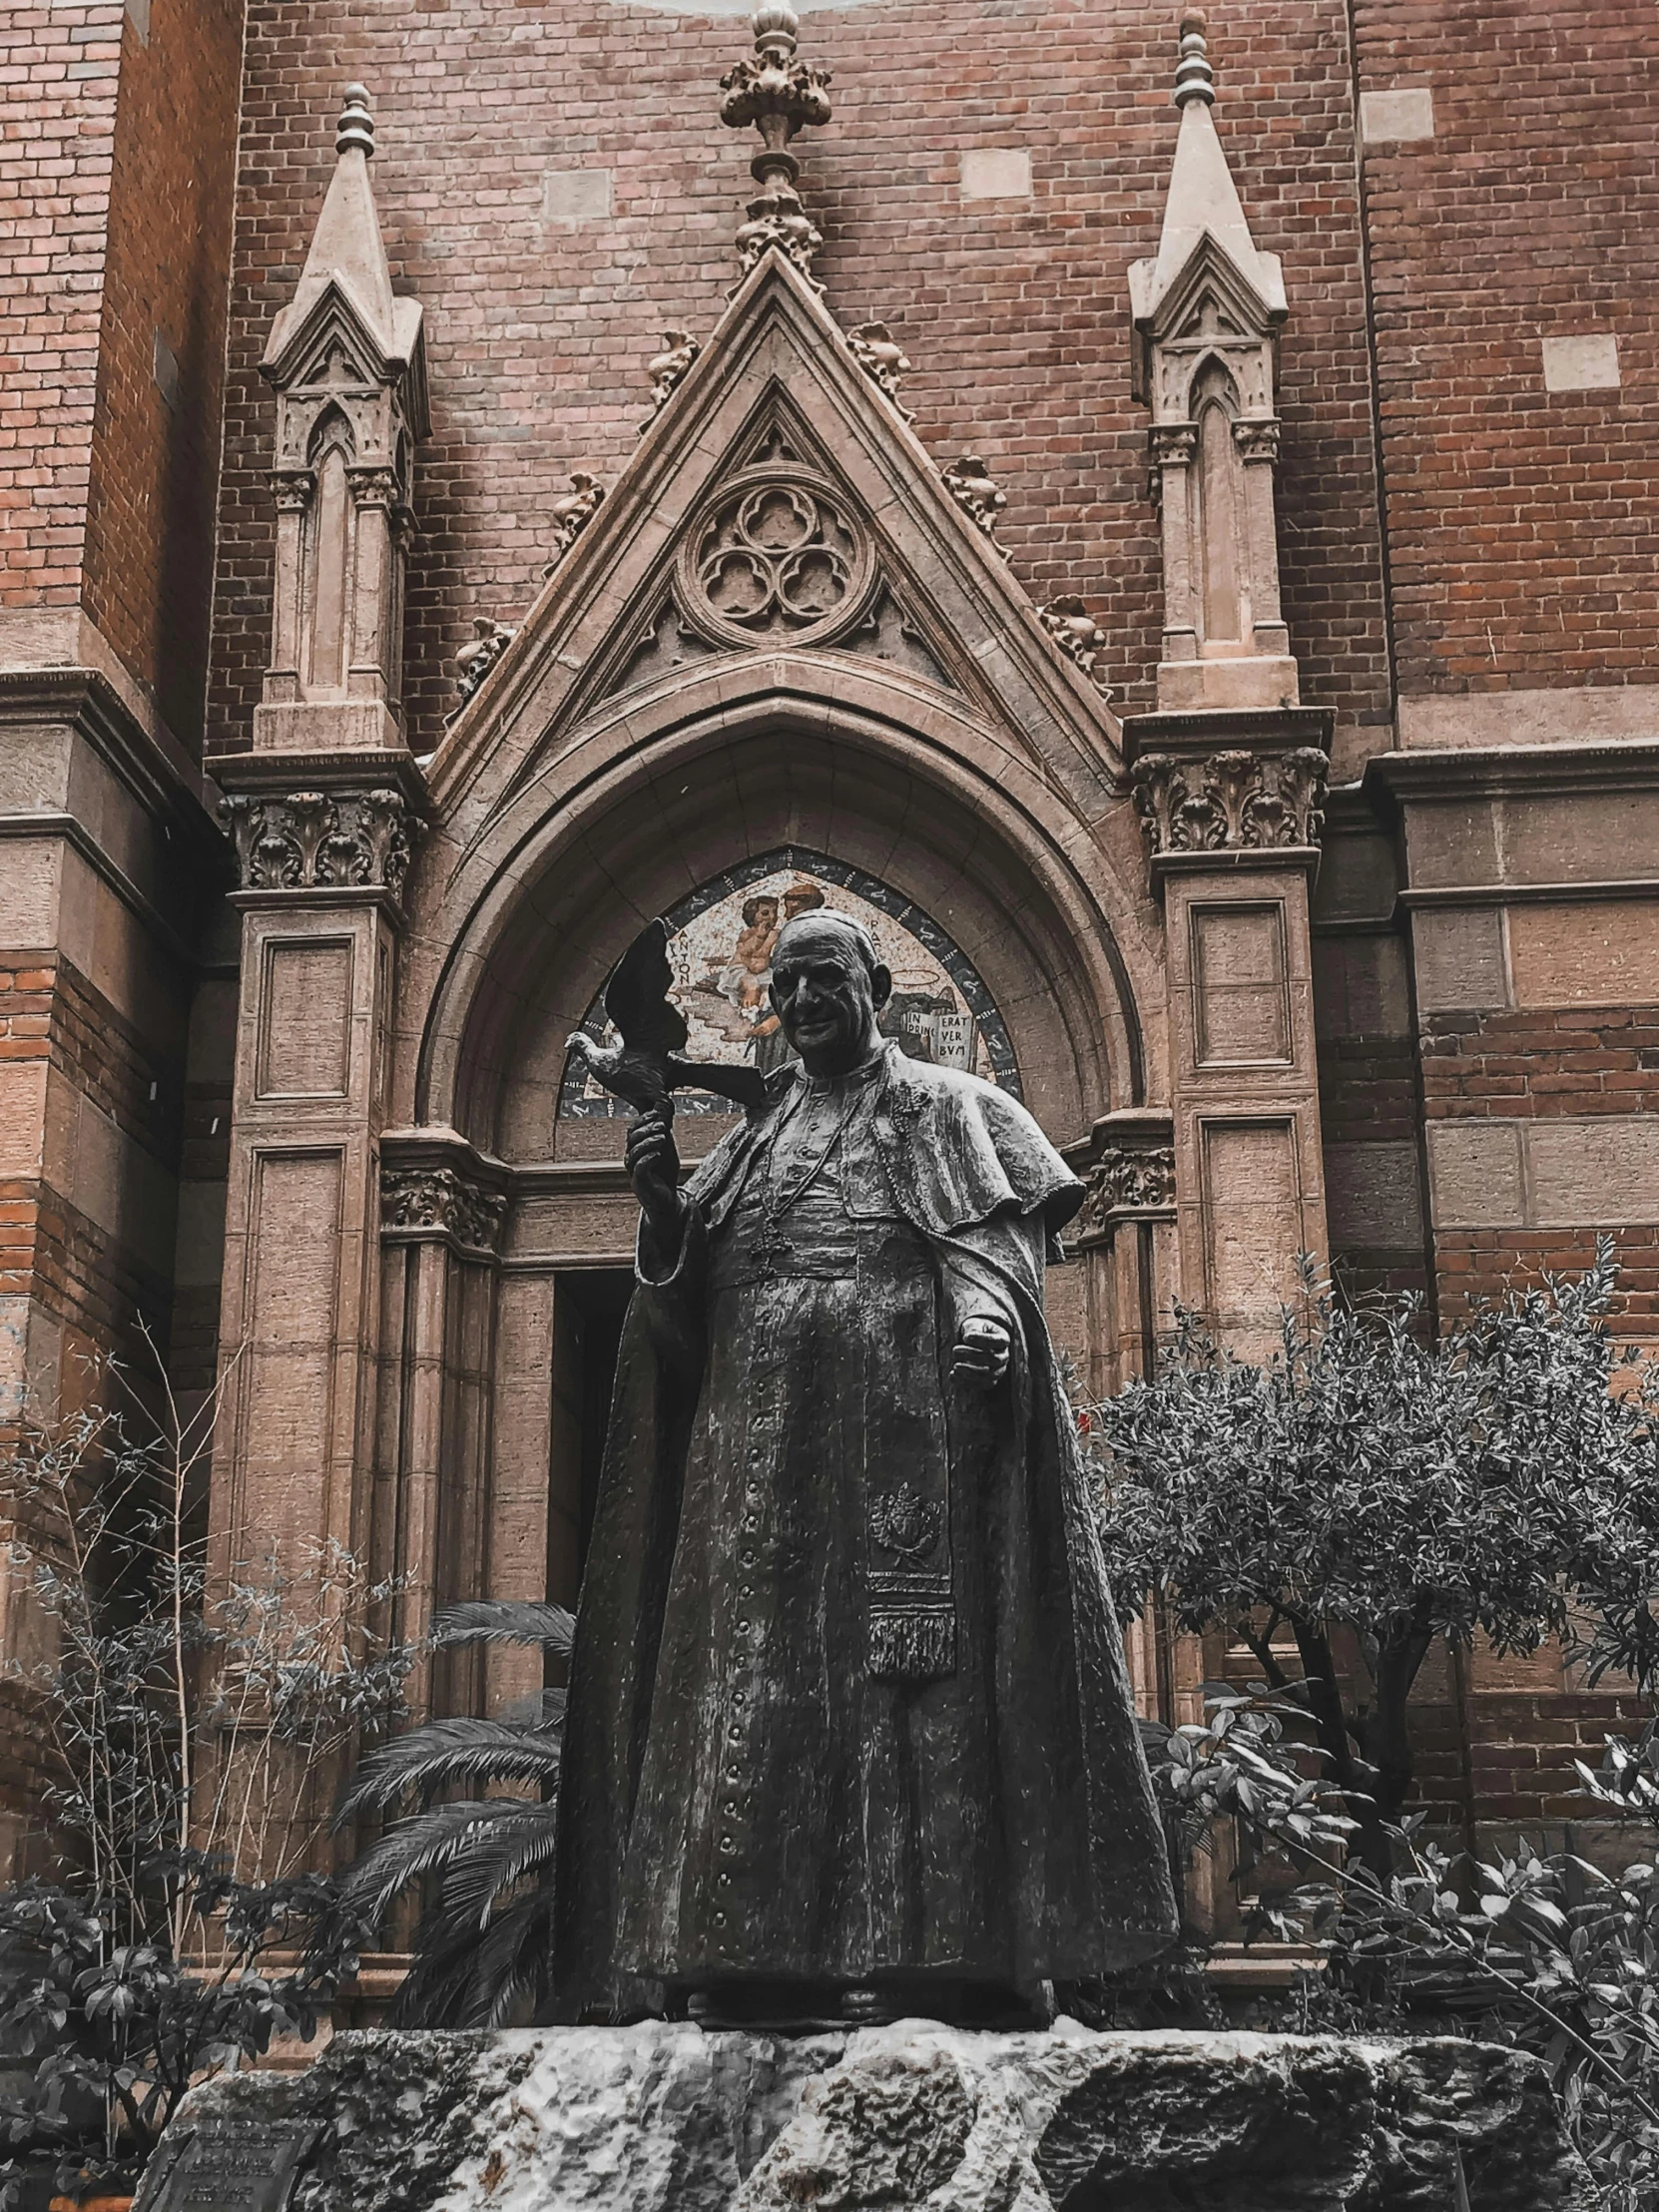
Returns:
(826,997)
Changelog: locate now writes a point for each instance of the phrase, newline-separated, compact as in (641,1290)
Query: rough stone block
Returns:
(1589,364)
(1406,112)
(663,2116)
(1589,953)
(996,172)
(1475,1174)
(1459,958)
(1371,1195)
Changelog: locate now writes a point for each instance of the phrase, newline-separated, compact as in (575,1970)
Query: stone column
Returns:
(442,1209)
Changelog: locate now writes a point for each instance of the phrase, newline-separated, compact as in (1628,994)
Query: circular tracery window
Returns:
(774,557)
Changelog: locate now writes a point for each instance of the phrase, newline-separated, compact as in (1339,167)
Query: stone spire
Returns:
(1203,199)
(346,249)
(777,93)
(345,360)
(1207,315)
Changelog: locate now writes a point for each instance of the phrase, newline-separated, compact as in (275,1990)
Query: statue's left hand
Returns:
(981,1353)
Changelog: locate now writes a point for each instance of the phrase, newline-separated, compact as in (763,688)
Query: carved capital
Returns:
(438,1202)
(1125,1183)
(321,840)
(1172,444)
(373,485)
(1234,800)
(1257,441)
(292,488)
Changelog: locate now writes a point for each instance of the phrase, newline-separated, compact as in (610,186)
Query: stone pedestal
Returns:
(663,2118)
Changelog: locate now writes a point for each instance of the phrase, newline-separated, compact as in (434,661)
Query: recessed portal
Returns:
(588,1309)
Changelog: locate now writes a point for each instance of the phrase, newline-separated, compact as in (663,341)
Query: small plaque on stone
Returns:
(227,2164)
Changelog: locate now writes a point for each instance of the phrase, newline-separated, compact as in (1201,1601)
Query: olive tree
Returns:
(1369,1488)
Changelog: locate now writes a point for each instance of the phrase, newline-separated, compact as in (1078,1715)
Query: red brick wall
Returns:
(1519,520)
(59,70)
(1015,314)
(149,556)
(116,173)
(50,1249)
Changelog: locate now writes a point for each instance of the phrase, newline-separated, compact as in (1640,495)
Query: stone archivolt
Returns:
(315,840)
(1231,801)
(426,1200)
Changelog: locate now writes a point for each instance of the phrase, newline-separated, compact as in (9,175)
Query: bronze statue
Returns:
(849,1732)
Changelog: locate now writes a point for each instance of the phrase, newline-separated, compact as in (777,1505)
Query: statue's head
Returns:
(828,986)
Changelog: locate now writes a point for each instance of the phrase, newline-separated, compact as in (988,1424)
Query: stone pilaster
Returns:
(322,874)
(1232,807)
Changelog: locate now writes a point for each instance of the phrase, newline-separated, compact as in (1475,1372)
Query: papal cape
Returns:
(847,1699)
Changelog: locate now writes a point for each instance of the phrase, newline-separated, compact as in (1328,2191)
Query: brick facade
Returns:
(62,69)
(1013,311)
(1518,517)
(1459,202)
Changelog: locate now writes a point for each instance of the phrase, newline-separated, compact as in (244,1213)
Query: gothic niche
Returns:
(721,943)
(1215,509)
(325,556)
(775,558)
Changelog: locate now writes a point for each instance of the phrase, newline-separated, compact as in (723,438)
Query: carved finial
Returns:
(1194,78)
(356,125)
(777,93)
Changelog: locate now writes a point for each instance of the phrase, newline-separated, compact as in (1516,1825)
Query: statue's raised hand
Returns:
(653,1160)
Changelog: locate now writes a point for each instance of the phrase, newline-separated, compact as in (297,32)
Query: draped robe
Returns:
(847,1699)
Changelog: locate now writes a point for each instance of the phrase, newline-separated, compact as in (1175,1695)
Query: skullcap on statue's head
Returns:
(827,920)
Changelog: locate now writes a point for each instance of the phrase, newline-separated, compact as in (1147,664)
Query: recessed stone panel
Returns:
(573,196)
(996,172)
(306,1019)
(288,1407)
(1586,364)
(1241,1010)
(1387,118)
(1253,1210)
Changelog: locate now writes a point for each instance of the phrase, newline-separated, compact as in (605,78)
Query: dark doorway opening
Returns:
(588,1306)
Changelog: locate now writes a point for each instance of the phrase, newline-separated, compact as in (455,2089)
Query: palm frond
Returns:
(505,1620)
(444,1753)
(497,1861)
(514,1960)
(426,1841)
